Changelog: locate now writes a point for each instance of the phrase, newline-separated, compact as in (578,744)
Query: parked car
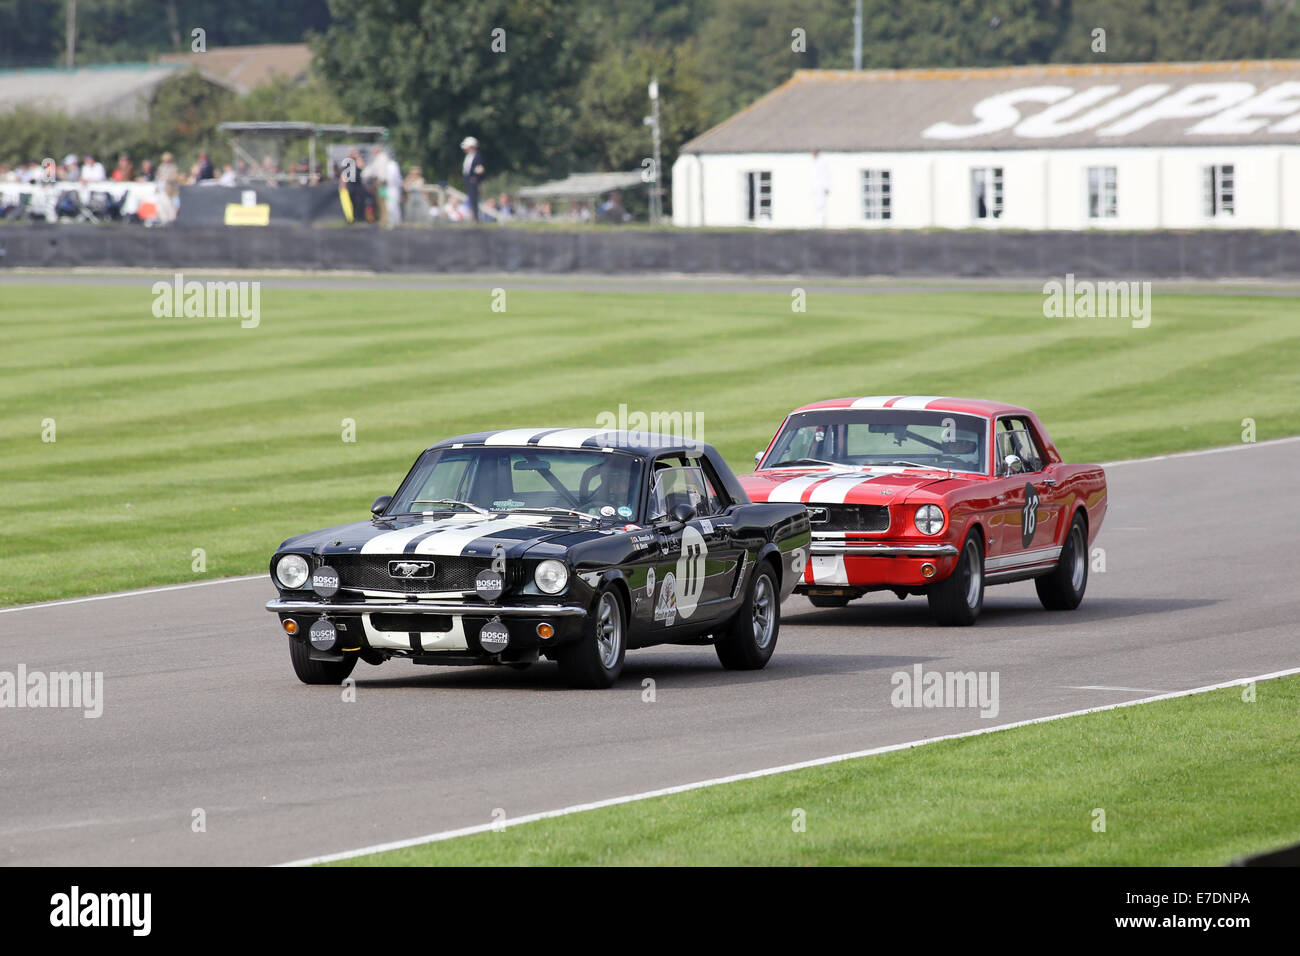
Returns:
(934,496)
(569,544)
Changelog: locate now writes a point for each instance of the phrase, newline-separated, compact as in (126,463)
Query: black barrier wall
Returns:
(289,205)
(1200,254)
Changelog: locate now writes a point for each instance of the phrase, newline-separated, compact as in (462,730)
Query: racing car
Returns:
(934,496)
(570,544)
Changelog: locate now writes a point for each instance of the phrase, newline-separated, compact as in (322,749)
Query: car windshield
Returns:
(559,481)
(855,438)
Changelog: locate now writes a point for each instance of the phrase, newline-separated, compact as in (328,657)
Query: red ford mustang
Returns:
(933,496)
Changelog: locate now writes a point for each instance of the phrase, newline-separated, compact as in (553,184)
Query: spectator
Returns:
(393,193)
(124,171)
(611,210)
(227,176)
(505,208)
(169,177)
(147,172)
(71,169)
(92,171)
(205,170)
(350,178)
(472,170)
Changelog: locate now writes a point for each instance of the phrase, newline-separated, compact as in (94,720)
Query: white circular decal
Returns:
(650,582)
(690,570)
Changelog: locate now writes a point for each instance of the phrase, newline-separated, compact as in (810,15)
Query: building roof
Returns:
(1022,107)
(120,89)
(241,68)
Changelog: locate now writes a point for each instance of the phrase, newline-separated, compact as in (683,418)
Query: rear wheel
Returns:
(318,672)
(750,636)
(957,599)
(1062,590)
(596,660)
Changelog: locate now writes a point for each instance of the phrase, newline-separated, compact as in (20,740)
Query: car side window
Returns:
(715,502)
(678,486)
(1015,437)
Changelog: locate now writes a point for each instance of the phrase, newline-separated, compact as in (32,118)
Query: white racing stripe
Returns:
(793,489)
(453,541)
(837,489)
(873,401)
(513,436)
(916,401)
(570,437)
(392,542)
(828,569)
(453,640)
(765,772)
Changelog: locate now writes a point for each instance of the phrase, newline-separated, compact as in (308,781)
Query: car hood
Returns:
(461,534)
(866,486)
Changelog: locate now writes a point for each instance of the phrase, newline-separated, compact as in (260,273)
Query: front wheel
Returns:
(749,639)
(1062,590)
(318,672)
(957,599)
(596,660)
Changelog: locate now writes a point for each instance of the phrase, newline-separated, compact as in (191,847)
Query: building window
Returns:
(758,195)
(1220,192)
(986,192)
(1102,195)
(875,194)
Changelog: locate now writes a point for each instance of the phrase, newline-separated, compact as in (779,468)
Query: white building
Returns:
(1129,146)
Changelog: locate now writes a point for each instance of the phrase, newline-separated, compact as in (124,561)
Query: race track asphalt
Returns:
(202,712)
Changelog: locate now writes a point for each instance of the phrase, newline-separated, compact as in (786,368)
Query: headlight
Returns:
(551,576)
(929,519)
(292,571)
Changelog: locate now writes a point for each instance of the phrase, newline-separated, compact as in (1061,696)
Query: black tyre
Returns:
(957,599)
(1062,590)
(318,672)
(747,642)
(827,600)
(596,660)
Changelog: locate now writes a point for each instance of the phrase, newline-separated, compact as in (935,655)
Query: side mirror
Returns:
(683,513)
(380,504)
(758,456)
(1012,465)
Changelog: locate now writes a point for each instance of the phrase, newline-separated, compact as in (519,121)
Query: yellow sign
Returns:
(239,215)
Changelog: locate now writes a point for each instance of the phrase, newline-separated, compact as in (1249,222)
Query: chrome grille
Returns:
(849,517)
(370,573)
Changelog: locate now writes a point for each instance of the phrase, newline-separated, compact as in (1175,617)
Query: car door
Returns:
(1024,499)
(695,570)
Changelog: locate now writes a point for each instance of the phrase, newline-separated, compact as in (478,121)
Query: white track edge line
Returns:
(1202,451)
(767,772)
(122,594)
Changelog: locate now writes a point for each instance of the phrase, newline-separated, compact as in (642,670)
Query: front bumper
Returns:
(875,550)
(840,562)
(432,629)
(287,606)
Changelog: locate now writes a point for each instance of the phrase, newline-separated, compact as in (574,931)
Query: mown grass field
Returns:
(1192,781)
(181,434)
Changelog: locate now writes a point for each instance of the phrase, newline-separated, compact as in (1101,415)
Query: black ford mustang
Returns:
(572,544)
